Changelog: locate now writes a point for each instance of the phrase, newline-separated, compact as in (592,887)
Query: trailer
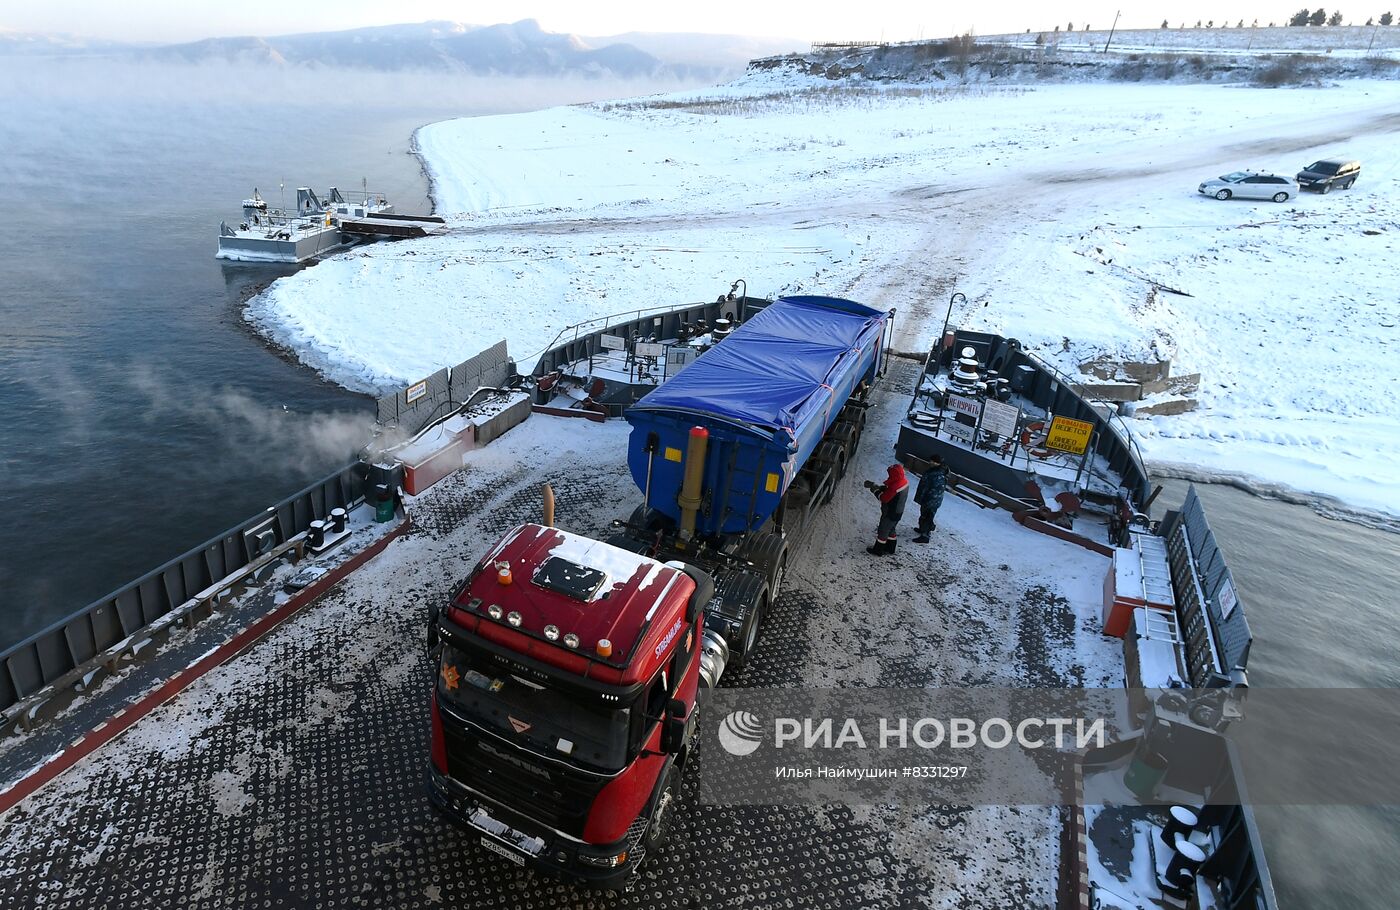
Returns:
(735,453)
(570,670)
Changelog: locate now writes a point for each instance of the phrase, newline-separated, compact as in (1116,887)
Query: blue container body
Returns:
(766,395)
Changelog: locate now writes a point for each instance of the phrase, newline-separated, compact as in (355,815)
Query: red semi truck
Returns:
(567,696)
(565,701)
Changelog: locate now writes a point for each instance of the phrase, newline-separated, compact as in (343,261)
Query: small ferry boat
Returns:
(315,228)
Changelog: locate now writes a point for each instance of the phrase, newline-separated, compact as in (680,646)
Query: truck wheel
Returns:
(748,636)
(662,813)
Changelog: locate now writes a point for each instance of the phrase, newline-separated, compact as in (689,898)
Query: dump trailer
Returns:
(733,454)
(569,670)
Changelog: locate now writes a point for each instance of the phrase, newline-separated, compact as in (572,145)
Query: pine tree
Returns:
(1335,18)
(1070,28)
(1318,17)
(1299,18)
(1386,18)
(1370,21)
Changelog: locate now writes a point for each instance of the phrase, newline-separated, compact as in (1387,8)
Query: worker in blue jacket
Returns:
(929,495)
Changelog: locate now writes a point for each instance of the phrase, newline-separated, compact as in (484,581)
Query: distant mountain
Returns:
(517,49)
(731,52)
(20,44)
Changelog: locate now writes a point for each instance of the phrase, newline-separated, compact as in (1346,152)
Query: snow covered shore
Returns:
(1059,207)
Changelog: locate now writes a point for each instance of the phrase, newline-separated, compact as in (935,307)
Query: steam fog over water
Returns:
(141,416)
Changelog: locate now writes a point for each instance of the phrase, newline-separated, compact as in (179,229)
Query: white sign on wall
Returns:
(1226,598)
(649,349)
(1000,418)
(679,358)
(612,342)
(958,431)
(969,406)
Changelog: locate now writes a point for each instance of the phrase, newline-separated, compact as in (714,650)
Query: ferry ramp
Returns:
(292,776)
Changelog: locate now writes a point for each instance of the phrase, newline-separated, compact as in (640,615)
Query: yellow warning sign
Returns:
(673,454)
(1068,435)
(771,484)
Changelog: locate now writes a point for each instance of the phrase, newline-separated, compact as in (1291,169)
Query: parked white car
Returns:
(1250,185)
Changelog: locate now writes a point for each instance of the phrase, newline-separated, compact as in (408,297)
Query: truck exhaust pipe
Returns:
(714,655)
(548,495)
(689,499)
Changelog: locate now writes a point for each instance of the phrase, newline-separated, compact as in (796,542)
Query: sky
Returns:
(889,20)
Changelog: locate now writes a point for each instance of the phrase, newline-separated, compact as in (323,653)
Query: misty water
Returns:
(142,417)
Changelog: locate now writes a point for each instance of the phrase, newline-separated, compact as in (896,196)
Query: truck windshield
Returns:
(545,720)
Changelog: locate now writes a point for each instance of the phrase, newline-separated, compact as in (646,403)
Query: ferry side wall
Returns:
(114,624)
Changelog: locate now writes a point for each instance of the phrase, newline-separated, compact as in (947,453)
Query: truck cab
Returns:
(564,705)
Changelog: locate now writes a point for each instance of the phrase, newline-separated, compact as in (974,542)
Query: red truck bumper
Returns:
(531,845)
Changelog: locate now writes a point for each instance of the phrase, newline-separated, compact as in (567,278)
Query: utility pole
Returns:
(1112,30)
(1374,29)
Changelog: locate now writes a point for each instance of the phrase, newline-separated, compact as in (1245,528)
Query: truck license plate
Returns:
(517,858)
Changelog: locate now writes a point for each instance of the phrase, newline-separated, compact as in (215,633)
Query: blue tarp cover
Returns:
(770,371)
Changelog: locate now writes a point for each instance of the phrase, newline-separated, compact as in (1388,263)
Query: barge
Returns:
(268,689)
(317,226)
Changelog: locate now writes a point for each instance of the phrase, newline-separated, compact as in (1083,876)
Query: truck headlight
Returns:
(604,862)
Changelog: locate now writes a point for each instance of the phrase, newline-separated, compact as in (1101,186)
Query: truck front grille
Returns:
(513,778)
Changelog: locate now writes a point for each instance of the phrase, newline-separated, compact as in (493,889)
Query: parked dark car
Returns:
(1327,173)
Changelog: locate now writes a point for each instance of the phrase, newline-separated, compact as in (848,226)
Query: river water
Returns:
(142,417)
(1321,598)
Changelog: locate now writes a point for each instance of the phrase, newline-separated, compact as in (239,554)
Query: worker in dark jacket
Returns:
(929,495)
(891,494)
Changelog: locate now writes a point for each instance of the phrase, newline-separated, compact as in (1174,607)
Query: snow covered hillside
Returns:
(1059,207)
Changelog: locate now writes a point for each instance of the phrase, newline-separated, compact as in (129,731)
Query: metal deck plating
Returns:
(293,776)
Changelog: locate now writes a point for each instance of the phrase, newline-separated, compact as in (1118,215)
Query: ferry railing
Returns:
(600,325)
(580,341)
(1105,415)
(1113,419)
(72,651)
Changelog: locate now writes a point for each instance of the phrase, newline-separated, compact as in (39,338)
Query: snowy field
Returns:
(1059,207)
(1337,41)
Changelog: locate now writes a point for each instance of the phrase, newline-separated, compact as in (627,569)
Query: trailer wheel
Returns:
(775,584)
(847,435)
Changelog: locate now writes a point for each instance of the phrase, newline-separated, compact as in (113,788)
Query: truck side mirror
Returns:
(433,611)
(673,726)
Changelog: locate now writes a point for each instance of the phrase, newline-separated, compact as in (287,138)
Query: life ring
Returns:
(1027,439)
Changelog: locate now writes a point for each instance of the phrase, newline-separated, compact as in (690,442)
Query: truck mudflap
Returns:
(532,845)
